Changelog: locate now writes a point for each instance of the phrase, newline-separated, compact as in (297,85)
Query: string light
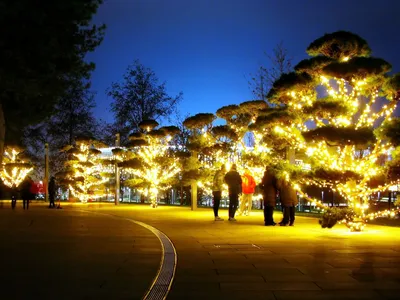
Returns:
(13,169)
(158,167)
(86,180)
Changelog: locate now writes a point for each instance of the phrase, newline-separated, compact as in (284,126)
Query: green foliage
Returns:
(148,124)
(391,87)
(136,136)
(138,143)
(390,131)
(138,183)
(213,149)
(326,108)
(117,151)
(338,45)
(94,151)
(358,68)
(157,133)
(282,168)
(287,83)
(224,131)
(322,174)
(334,214)
(199,121)
(341,135)
(270,117)
(170,130)
(44,53)
(182,154)
(134,163)
(253,106)
(313,65)
(227,112)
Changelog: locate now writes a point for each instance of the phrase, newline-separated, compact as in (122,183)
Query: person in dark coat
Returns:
(14,196)
(52,192)
(234,182)
(217,188)
(289,201)
(26,194)
(268,185)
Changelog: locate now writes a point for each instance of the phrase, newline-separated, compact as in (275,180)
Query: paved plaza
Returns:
(93,251)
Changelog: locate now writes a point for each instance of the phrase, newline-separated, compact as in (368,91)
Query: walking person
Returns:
(248,189)
(268,185)
(52,192)
(217,191)
(289,201)
(14,196)
(26,194)
(234,182)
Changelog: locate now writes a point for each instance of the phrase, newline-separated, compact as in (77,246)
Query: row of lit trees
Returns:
(335,109)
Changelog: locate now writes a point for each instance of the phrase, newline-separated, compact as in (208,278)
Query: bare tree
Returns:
(279,62)
(140,97)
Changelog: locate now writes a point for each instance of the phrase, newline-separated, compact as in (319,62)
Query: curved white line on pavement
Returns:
(162,283)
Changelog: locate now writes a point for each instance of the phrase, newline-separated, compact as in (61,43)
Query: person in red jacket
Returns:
(248,188)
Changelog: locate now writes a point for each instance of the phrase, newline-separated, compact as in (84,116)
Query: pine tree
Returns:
(151,160)
(83,174)
(331,108)
(15,167)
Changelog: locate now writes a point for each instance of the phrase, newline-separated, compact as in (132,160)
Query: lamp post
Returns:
(194,189)
(117,175)
(46,172)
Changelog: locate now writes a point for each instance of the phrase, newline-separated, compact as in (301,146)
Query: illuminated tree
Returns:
(151,160)
(332,108)
(249,149)
(237,141)
(14,166)
(84,174)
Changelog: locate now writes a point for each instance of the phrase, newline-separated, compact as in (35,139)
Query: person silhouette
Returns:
(52,192)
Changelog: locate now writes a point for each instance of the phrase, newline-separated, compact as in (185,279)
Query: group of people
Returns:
(246,186)
(27,192)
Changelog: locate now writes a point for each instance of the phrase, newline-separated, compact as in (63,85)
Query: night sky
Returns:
(208,48)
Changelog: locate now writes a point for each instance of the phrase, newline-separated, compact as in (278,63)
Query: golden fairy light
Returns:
(85,180)
(157,169)
(342,157)
(14,169)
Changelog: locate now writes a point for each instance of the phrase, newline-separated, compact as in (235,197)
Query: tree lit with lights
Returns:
(14,166)
(151,160)
(84,174)
(333,108)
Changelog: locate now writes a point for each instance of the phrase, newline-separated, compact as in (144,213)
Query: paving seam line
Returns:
(162,282)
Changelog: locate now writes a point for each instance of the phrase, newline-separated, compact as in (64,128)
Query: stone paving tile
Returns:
(65,254)
(389,294)
(327,295)
(224,295)
(347,285)
(250,261)
(270,286)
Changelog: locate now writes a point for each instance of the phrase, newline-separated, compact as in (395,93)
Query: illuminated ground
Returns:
(67,254)
(244,260)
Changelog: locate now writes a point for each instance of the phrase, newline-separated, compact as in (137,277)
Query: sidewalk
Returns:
(69,254)
(245,260)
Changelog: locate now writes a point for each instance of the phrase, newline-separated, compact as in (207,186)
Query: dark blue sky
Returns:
(206,48)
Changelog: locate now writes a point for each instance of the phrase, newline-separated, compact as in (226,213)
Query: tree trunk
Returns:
(2,133)
(181,193)
(194,195)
